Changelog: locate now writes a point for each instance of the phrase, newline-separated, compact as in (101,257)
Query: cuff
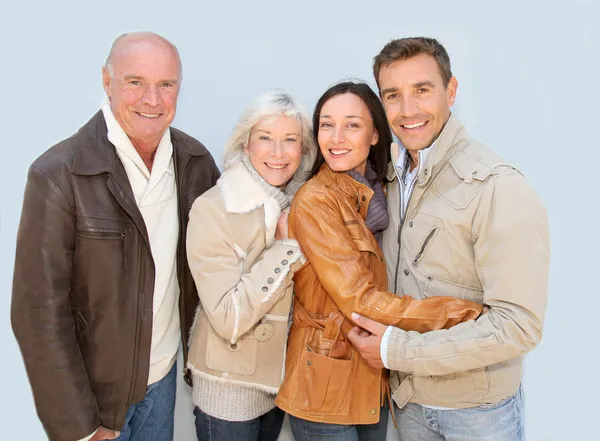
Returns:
(89,436)
(383,347)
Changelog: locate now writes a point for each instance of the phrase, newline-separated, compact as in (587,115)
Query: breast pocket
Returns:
(361,237)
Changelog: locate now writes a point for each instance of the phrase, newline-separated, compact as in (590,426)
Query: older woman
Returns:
(243,262)
(330,391)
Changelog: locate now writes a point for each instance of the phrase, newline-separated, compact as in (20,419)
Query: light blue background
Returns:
(528,87)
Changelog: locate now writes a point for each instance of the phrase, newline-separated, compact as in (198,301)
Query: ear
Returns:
(451,91)
(106,81)
(375,138)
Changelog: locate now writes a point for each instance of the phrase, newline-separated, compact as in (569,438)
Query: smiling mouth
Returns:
(414,125)
(276,166)
(338,152)
(149,115)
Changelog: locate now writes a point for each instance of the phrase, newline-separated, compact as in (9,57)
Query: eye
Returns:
(135,82)
(353,125)
(291,140)
(166,85)
(422,90)
(325,125)
(264,138)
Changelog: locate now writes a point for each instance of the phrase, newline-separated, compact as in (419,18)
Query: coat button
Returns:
(265,289)
(406,273)
(410,224)
(235,347)
(426,172)
(270,280)
(284,262)
(277,270)
(309,362)
(264,332)
(373,411)
(290,252)
(364,199)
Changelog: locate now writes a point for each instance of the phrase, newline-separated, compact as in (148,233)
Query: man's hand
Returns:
(103,433)
(366,338)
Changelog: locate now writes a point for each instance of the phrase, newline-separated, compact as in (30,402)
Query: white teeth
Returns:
(148,115)
(276,167)
(338,152)
(414,126)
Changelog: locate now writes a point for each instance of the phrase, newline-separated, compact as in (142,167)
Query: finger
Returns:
(372,326)
(354,336)
(364,333)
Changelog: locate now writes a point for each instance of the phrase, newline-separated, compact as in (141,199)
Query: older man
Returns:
(102,294)
(463,223)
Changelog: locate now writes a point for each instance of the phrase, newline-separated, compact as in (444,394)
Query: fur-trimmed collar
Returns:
(243,194)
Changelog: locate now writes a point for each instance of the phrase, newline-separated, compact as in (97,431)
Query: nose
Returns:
(277,150)
(409,107)
(151,95)
(337,136)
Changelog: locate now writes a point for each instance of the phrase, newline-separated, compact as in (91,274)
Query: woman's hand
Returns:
(282,225)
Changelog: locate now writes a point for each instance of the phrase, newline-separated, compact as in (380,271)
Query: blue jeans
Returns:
(263,428)
(501,421)
(152,419)
(310,431)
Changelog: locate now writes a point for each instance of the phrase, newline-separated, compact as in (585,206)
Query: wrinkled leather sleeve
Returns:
(329,247)
(41,314)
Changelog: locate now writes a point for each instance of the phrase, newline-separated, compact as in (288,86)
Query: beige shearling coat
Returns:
(244,281)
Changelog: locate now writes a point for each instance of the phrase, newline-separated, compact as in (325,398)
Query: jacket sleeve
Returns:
(335,258)
(234,301)
(41,314)
(512,253)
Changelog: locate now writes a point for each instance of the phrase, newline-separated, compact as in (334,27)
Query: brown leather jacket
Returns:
(326,378)
(84,279)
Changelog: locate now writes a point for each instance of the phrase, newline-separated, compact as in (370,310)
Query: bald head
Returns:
(127,42)
(141,78)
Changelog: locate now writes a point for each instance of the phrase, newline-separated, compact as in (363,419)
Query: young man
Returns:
(463,223)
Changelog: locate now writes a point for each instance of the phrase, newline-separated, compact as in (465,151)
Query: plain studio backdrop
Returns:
(528,87)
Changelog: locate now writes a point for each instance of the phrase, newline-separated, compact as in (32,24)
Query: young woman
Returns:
(243,262)
(330,392)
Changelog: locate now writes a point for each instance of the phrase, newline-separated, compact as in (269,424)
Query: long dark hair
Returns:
(379,155)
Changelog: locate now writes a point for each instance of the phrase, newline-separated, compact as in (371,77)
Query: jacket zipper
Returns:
(108,235)
(427,239)
(403,214)
(180,263)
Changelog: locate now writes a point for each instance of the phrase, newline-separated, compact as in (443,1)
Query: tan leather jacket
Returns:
(326,379)
(474,229)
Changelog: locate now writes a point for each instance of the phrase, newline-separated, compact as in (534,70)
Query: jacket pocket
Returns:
(323,384)
(238,358)
(425,247)
(120,238)
(360,236)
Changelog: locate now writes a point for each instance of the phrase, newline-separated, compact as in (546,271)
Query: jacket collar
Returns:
(344,182)
(96,154)
(452,139)
(241,192)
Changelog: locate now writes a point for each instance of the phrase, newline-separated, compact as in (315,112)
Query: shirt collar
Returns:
(118,137)
(404,158)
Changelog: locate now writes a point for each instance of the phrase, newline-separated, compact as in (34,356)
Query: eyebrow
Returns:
(268,132)
(389,90)
(424,83)
(137,77)
(347,116)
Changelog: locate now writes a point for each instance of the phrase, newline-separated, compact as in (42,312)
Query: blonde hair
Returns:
(270,104)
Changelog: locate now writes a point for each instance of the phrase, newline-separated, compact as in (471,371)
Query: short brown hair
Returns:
(405,48)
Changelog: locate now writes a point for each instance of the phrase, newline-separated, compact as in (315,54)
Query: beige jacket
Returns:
(474,229)
(244,281)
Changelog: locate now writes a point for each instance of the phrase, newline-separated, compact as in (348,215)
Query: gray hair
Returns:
(108,64)
(270,104)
